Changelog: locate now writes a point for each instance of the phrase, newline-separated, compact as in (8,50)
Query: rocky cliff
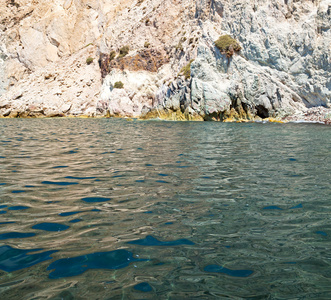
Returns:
(64,57)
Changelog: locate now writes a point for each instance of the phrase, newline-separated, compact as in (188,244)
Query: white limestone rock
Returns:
(284,66)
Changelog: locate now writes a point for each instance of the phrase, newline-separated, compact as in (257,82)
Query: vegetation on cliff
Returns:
(112,55)
(118,85)
(89,60)
(124,51)
(227,45)
(186,70)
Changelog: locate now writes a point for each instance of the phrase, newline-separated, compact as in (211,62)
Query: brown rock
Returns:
(145,60)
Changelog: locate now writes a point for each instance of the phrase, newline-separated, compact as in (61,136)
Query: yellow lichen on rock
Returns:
(169,115)
(274,120)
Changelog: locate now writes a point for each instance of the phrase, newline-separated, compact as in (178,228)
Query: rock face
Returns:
(165,55)
(43,51)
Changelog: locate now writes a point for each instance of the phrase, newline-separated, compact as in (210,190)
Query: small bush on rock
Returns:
(112,55)
(227,45)
(89,60)
(124,51)
(118,85)
(186,70)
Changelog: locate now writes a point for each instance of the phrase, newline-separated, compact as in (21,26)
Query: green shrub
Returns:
(227,45)
(146,45)
(89,60)
(118,85)
(124,51)
(186,70)
(112,55)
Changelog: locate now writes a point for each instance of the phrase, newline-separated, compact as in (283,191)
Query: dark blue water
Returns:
(116,209)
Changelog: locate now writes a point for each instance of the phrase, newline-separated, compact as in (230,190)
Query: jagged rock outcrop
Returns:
(282,69)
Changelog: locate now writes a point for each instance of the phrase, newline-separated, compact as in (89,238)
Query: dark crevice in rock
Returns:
(262,112)
(104,64)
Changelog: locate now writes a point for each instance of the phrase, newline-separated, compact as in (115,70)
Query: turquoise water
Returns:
(113,209)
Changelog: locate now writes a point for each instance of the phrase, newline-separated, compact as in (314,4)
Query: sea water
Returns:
(117,209)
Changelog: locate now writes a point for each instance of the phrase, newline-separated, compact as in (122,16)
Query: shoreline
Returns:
(313,115)
(258,121)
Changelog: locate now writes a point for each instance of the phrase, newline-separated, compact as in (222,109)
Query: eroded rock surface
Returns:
(283,68)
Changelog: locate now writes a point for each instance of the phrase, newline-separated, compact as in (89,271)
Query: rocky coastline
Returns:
(230,61)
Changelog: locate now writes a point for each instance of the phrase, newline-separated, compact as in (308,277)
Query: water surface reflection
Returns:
(164,210)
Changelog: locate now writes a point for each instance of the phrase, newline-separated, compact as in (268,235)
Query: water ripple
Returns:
(74,266)
(252,197)
(12,259)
